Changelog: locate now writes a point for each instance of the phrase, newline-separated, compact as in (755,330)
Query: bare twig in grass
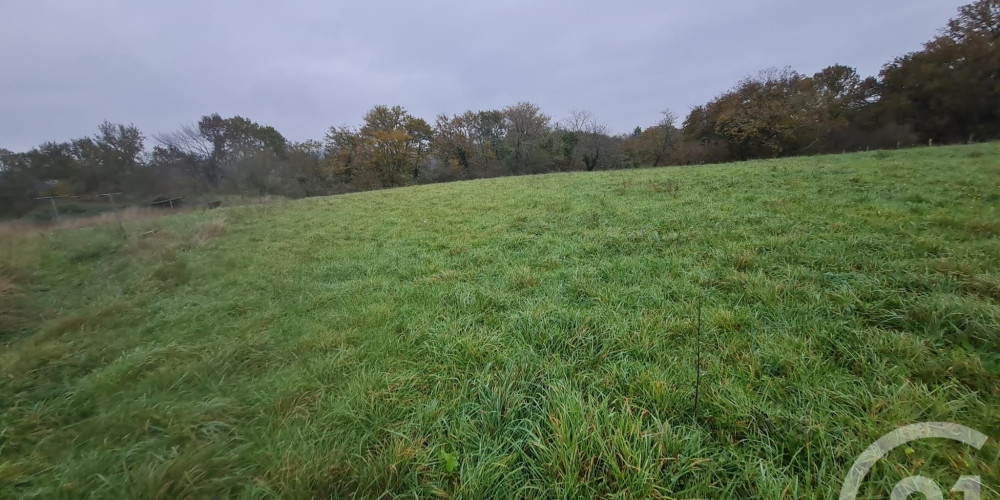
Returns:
(697,366)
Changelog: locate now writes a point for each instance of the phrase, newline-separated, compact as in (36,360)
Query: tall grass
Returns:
(14,229)
(528,337)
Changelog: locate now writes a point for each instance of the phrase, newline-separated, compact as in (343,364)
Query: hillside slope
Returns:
(530,337)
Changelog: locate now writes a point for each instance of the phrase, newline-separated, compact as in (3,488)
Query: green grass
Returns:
(517,337)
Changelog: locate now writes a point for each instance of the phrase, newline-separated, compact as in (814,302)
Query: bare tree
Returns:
(668,119)
(590,136)
(187,139)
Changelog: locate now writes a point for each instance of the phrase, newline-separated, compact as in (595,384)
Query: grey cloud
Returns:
(306,65)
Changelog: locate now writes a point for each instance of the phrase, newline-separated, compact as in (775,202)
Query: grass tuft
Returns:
(172,273)
(210,229)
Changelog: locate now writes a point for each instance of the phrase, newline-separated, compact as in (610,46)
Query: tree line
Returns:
(948,92)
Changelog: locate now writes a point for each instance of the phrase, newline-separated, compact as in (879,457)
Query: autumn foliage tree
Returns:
(655,145)
(388,150)
(772,114)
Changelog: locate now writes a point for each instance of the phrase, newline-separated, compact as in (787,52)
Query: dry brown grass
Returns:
(11,230)
(11,306)
(210,229)
(7,287)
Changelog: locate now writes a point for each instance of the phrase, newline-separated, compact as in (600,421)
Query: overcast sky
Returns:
(303,66)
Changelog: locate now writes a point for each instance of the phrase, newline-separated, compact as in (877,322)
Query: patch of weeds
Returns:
(744,260)
(524,280)
(559,207)
(519,223)
(449,275)
(623,188)
(91,250)
(976,228)
(150,242)
(838,227)
(983,228)
(916,198)
(211,229)
(76,323)
(68,324)
(981,285)
(174,272)
(731,320)
(14,306)
(670,186)
(956,364)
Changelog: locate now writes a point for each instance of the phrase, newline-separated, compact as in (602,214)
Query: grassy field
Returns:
(517,337)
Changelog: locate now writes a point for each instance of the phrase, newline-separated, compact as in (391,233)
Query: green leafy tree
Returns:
(216,146)
(17,183)
(306,170)
(950,91)
(112,160)
(526,129)
(470,144)
(569,139)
